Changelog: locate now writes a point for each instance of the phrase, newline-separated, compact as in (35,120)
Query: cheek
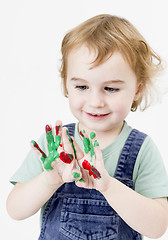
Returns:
(122,107)
(75,103)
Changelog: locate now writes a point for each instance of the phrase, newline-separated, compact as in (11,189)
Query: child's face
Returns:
(100,98)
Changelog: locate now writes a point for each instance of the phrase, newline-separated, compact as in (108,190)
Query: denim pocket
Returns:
(86,219)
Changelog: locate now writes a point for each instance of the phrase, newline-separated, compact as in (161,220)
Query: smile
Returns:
(97,116)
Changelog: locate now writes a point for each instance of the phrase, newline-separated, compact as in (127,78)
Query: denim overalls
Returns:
(84,214)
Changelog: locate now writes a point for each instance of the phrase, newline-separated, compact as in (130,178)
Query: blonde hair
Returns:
(105,34)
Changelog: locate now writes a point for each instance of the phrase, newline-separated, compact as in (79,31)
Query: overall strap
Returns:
(129,154)
(71,128)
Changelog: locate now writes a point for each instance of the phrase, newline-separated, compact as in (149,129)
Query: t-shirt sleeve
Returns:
(31,166)
(152,178)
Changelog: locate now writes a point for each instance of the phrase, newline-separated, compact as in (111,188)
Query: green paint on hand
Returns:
(82,180)
(71,142)
(57,141)
(96,143)
(86,143)
(89,144)
(92,135)
(76,175)
(50,141)
(52,149)
(92,152)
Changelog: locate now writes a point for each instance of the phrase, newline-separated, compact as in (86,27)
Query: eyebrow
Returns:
(107,82)
(77,79)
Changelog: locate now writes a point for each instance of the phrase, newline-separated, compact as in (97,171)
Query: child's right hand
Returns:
(60,165)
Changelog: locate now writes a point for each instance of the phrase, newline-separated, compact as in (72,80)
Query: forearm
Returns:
(26,199)
(147,216)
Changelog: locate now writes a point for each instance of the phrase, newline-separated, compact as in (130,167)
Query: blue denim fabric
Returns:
(84,214)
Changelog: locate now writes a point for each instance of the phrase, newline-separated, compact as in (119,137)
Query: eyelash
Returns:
(108,89)
(82,87)
(112,90)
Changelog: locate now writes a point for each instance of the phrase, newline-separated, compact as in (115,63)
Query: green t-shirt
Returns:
(149,177)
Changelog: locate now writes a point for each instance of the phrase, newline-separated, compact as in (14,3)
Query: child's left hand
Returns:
(91,164)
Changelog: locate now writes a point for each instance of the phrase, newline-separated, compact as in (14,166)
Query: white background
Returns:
(30,92)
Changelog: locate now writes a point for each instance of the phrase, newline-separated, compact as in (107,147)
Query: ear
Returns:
(139,91)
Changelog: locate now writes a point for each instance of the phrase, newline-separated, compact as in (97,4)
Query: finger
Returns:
(90,143)
(41,155)
(70,138)
(85,164)
(58,134)
(99,157)
(84,181)
(49,138)
(94,143)
(76,174)
(86,142)
(79,152)
(67,141)
(58,127)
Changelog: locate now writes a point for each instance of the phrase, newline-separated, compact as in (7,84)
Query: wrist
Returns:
(48,184)
(107,190)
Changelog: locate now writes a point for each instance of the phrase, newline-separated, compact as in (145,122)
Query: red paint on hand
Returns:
(48,128)
(81,133)
(57,129)
(92,170)
(65,157)
(39,149)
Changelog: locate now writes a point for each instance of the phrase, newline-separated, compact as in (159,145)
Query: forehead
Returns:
(82,54)
(80,63)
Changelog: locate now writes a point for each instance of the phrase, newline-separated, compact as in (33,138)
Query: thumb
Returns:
(76,174)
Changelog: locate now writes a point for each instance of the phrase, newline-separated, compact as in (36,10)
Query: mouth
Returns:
(97,116)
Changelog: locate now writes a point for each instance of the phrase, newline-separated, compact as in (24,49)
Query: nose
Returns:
(96,100)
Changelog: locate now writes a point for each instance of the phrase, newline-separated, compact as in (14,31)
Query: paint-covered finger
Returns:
(94,145)
(38,151)
(98,156)
(77,149)
(49,138)
(67,141)
(58,134)
(76,174)
(86,142)
(84,181)
(58,127)
(85,164)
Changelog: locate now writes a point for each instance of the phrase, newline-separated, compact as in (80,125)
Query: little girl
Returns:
(102,179)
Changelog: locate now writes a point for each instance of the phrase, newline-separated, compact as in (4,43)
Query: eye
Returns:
(81,87)
(112,90)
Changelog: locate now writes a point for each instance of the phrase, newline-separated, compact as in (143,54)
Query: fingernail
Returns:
(47,128)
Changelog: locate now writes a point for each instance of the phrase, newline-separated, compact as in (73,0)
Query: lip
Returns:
(97,116)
